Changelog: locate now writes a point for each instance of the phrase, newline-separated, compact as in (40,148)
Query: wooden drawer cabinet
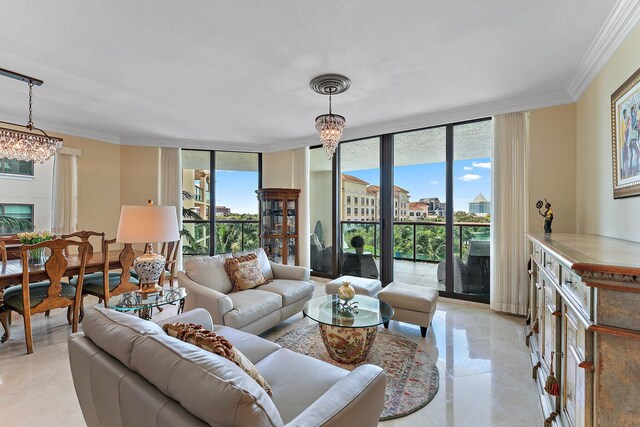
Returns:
(585,293)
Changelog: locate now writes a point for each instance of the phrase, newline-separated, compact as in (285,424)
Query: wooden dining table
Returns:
(11,271)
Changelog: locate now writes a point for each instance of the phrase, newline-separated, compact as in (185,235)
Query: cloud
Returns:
(433,182)
(468,168)
(470,177)
(483,165)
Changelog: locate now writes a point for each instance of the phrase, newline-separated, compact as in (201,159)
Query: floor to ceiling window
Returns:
(225,202)
(439,208)
(360,208)
(419,232)
(321,211)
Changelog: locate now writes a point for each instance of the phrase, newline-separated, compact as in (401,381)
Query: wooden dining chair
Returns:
(39,297)
(113,283)
(85,236)
(3,252)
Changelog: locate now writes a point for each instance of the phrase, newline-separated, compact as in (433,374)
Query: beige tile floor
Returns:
(485,375)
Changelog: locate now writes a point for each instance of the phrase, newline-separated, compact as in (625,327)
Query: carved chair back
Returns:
(170,252)
(3,252)
(126,258)
(84,236)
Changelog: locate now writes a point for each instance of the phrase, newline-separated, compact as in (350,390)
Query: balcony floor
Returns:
(417,273)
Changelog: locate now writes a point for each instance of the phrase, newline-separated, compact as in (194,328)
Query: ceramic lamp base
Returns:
(149,267)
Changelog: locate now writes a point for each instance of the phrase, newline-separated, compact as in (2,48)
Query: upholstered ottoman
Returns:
(411,303)
(362,285)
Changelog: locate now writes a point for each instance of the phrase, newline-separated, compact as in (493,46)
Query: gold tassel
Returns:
(535,327)
(552,386)
(552,416)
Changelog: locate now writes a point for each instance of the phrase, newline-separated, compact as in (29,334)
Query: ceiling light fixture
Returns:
(26,145)
(330,126)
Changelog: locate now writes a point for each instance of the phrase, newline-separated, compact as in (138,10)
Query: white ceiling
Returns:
(235,74)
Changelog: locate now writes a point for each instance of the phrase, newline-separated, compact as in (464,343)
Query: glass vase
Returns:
(36,256)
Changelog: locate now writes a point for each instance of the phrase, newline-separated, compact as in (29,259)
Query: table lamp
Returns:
(148,224)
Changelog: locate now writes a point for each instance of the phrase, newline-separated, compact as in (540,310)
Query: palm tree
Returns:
(14,225)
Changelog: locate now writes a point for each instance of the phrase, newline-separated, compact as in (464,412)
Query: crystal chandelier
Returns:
(32,144)
(330,126)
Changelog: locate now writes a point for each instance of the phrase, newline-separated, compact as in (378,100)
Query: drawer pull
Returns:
(568,282)
(587,366)
(552,416)
(534,374)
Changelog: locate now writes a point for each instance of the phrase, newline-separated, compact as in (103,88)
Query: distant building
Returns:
(480,206)
(436,207)
(223,211)
(361,200)
(418,210)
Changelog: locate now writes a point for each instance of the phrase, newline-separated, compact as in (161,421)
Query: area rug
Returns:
(412,377)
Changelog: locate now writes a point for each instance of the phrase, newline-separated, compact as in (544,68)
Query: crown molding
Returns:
(52,127)
(196,144)
(527,102)
(619,23)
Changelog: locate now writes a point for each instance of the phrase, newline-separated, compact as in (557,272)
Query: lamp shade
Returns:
(148,224)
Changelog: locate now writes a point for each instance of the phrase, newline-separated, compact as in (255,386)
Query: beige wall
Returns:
(139,171)
(98,184)
(277,169)
(289,169)
(552,166)
(597,211)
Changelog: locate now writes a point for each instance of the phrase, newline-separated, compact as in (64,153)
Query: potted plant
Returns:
(357,242)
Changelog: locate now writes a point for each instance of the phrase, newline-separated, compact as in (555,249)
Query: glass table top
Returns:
(367,311)
(132,301)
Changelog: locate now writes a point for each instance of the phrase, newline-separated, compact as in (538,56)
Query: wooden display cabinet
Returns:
(279,224)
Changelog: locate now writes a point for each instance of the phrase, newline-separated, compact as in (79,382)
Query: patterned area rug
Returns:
(412,377)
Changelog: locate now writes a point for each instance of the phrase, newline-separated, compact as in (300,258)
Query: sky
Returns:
(236,189)
(470,177)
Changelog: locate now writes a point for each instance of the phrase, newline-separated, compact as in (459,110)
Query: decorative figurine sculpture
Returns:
(548,214)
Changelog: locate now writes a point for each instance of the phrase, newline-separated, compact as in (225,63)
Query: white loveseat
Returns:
(253,310)
(128,372)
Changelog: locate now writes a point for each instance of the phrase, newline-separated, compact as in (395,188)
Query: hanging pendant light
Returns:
(33,144)
(330,126)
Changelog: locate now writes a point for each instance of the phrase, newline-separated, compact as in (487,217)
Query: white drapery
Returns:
(509,281)
(64,212)
(171,186)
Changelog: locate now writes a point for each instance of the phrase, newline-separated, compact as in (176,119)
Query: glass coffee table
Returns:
(348,333)
(144,304)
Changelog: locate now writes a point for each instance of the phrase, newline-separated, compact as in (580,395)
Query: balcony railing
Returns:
(420,241)
(230,236)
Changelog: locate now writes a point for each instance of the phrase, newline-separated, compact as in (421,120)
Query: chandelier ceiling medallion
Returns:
(330,126)
(33,144)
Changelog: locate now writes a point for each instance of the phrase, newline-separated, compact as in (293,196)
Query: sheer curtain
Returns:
(171,186)
(64,211)
(509,282)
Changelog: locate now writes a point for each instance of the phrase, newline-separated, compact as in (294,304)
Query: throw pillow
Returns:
(216,344)
(244,272)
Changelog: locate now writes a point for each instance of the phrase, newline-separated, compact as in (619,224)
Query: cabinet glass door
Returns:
(272,218)
(291,217)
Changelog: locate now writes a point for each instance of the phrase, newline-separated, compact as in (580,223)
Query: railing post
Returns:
(375,240)
(242,236)
(460,238)
(414,242)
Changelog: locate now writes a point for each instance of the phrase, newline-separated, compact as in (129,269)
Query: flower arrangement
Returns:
(36,256)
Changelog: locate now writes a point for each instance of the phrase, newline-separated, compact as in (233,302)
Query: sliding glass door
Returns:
(419,201)
(434,187)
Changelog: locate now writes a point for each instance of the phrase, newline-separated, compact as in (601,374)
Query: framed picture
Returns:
(625,103)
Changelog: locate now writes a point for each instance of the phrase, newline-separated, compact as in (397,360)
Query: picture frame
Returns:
(625,138)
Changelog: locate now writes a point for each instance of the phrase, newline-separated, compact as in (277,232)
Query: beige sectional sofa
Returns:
(128,372)
(254,310)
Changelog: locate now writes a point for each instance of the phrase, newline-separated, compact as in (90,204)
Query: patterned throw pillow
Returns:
(244,272)
(216,344)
